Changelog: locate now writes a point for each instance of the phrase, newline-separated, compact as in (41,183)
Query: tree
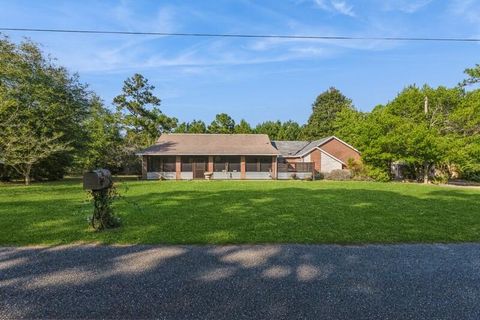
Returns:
(412,129)
(464,142)
(44,107)
(290,130)
(140,116)
(223,123)
(104,146)
(20,151)
(473,76)
(182,127)
(349,126)
(243,127)
(270,128)
(324,112)
(197,126)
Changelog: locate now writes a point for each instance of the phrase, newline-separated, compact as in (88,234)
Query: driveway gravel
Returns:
(241,282)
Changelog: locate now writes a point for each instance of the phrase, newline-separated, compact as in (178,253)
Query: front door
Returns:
(199,167)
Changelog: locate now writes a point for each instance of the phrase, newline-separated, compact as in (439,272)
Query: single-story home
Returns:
(241,156)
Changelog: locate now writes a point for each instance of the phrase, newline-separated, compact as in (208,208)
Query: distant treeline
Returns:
(51,124)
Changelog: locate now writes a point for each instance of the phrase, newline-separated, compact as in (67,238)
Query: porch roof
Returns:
(211,144)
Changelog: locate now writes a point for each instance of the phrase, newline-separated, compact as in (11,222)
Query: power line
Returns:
(232,35)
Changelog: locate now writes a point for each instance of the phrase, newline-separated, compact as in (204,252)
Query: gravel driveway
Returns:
(241,282)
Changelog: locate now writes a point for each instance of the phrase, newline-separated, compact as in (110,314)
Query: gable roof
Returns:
(287,146)
(211,144)
(312,145)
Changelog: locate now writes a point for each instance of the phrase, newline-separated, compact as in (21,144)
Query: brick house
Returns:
(241,156)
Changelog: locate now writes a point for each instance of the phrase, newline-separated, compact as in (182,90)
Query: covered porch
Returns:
(219,167)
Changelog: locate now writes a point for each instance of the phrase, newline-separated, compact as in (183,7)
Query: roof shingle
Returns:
(211,144)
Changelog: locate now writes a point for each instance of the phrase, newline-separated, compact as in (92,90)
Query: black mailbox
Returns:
(97,179)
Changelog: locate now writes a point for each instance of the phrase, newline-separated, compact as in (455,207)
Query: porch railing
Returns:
(296,167)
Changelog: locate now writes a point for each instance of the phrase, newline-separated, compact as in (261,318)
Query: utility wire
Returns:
(233,35)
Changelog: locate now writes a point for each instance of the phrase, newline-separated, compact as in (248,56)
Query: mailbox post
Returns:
(100,185)
(97,180)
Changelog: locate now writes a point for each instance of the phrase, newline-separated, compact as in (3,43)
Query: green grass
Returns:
(244,212)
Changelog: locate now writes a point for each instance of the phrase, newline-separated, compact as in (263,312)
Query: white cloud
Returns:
(468,9)
(338,6)
(407,6)
(343,8)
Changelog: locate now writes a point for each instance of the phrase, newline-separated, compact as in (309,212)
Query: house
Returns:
(241,156)
(325,155)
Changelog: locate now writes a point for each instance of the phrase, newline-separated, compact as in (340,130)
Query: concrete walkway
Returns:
(242,282)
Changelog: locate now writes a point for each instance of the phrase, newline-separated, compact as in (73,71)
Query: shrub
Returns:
(376,174)
(355,167)
(308,177)
(319,176)
(103,216)
(338,175)
(471,175)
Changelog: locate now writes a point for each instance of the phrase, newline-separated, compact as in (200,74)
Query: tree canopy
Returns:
(42,112)
(139,114)
(324,112)
(51,124)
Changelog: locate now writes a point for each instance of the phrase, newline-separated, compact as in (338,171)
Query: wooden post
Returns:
(210,164)
(144,167)
(242,168)
(178,167)
(274,168)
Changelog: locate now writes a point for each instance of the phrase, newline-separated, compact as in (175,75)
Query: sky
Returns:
(254,79)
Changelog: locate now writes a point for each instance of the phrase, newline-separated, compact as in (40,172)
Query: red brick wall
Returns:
(242,168)
(340,150)
(315,156)
(178,167)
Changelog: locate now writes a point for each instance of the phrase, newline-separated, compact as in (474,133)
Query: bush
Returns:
(7,173)
(319,176)
(471,175)
(103,216)
(338,175)
(376,174)
(308,177)
(355,167)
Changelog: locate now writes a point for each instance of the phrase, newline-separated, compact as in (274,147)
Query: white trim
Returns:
(331,156)
(340,140)
(321,144)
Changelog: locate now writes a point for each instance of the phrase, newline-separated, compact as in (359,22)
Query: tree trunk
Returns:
(27,175)
(426,168)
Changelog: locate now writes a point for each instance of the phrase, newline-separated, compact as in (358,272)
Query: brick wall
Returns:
(315,156)
(340,150)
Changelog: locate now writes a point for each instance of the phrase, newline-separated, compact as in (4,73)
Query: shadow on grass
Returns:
(242,215)
(261,282)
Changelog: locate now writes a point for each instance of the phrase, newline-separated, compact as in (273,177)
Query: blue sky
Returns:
(255,79)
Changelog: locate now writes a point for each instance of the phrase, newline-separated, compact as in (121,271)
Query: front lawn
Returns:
(244,212)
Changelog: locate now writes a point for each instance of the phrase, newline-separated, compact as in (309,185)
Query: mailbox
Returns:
(97,179)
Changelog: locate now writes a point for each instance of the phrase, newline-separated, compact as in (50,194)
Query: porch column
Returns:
(274,167)
(178,167)
(144,167)
(242,168)
(210,164)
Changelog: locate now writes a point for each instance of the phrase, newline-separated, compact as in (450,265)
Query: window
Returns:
(187,164)
(226,163)
(258,164)
(161,164)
